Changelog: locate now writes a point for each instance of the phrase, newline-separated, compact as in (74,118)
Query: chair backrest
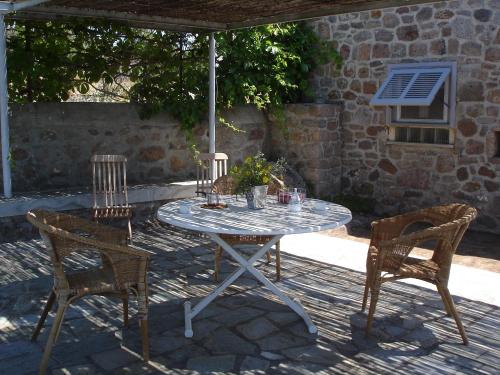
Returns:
(448,225)
(55,229)
(211,166)
(109,179)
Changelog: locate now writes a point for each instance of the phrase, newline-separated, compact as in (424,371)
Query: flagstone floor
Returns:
(246,330)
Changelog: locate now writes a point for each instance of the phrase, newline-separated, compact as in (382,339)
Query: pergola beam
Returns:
(136,20)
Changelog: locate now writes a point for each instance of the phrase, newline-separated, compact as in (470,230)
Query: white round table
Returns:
(275,220)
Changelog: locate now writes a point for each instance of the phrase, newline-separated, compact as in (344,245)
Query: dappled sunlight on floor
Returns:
(246,329)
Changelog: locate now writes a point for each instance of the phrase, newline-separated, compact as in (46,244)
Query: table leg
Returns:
(189,313)
(247,265)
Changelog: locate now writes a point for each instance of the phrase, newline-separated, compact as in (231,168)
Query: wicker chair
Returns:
(110,197)
(390,246)
(225,185)
(124,269)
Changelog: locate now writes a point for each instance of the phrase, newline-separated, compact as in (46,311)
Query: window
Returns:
(420,100)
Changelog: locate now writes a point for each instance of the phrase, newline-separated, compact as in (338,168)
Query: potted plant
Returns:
(252,178)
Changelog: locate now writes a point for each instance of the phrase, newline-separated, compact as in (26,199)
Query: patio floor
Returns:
(246,330)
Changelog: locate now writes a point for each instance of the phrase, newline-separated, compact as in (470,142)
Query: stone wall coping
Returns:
(72,199)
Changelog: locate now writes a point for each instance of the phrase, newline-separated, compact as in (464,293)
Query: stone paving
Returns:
(247,330)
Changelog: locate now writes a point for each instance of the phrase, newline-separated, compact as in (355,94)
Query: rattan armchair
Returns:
(390,246)
(123,269)
(225,185)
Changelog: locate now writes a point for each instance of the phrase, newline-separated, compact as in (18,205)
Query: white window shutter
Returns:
(412,86)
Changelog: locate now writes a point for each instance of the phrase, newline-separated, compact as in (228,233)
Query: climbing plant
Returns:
(267,66)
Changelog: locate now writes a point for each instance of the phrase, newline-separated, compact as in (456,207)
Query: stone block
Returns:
(493,96)
(445,163)
(482,15)
(112,359)
(471,48)
(443,14)
(491,186)
(492,54)
(387,166)
(414,178)
(254,364)
(362,52)
(471,186)
(486,172)
(467,127)
(324,30)
(398,50)
(383,35)
(424,14)
(380,51)
(407,33)
(390,20)
(223,341)
(474,147)
(438,47)
(462,174)
(463,28)
(211,364)
(362,36)
(471,91)
(257,328)
(418,49)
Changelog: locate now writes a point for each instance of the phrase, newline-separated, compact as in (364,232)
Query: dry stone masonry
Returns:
(52,143)
(403,177)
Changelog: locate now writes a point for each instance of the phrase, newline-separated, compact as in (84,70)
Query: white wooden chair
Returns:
(110,198)
(211,166)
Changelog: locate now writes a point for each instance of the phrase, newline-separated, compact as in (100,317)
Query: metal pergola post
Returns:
(211,96)
(211,104)
(4,111)
(6,8)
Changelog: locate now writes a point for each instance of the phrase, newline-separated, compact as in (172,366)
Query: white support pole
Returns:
(211,96)
(4,111)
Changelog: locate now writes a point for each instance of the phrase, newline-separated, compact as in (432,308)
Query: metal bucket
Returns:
(256,198)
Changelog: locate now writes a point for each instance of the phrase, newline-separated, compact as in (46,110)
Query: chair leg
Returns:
(268,255)
(145,339)
(54,333)
(365,295)
(45,312)
(218,256)
(454,313)
(278,261)
(375,289)
(443,297)
(125,311)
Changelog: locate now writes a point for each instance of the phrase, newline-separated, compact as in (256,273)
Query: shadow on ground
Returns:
(245,330)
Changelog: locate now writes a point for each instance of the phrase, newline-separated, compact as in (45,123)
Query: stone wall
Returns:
(403,177)
(52,143)
(311,143)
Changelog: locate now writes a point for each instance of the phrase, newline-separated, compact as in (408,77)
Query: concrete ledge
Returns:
(78,199)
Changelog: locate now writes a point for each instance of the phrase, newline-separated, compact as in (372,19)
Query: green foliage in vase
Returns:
(266,66)
(254,171)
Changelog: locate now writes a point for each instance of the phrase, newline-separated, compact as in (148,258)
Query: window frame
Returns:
(449,124)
